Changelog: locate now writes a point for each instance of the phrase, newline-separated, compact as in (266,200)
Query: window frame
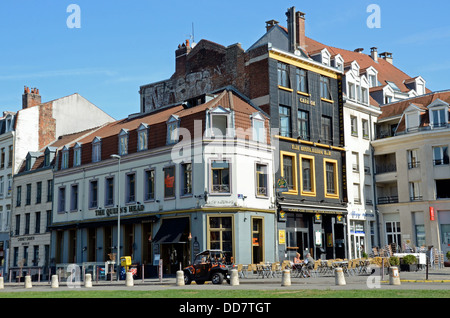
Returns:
(294,190)
(301,122)
(211,176)
(334,163)
(312,161)
(258,173)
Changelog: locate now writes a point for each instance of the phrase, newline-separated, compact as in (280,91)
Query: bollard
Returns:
(2,285)
(129,282)
(286,278)
(339,275)
(180,278)
(394,277)
(55,281)
(88,281)
(234,278)
(28,281)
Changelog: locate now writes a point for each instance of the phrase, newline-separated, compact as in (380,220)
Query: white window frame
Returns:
(97,149)
(173,123)
(123,142)
(142,133)
(77,155)
(259,133)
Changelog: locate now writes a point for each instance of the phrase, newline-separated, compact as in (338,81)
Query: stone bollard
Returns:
(88,281)
(129,281)
(2,284)
(28,281)
(180,278)
(55,281)
(234,277)
(286,278)
(339,275)
(394,277)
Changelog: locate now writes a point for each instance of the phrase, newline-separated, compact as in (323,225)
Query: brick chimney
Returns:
(180,58)
(301,33)
(30,97)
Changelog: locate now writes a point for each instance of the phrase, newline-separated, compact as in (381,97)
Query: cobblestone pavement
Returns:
(438,279)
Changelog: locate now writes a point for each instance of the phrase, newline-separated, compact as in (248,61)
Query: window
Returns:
(414,191)
(19,195)
(2,158)
(123,142)
(439,118)
(440,155)
(351,91)
(393,232)
(443,189)
(96,150)
(331,179)
(77,155)
(38,192)
(285,121)
(142,137)
(307,171)
(261,180)
(27,223)
(220,234)
(62,199)
(2,186)
(289,170)
(172,130)
(169,182)
(355,162)
(93,194)
(219,122)
(283,75)
(65,158)
(17,229)
(325,88)
(354,125)
(149,185)
(131,188)
(220,176)
(387,99)
(259,133)
(303,124)
(302,81)
(10,156)
(365,127)
(364,95)
(413,159)
(28,198)
(356,193)
(326,130)
(49,190)
(373,81)
(37,223)
(186,179)
(74,197)
(109,192)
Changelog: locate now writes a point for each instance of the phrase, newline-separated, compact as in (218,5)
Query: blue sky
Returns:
(122,45)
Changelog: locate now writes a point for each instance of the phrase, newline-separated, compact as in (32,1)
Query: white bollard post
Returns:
(180,278)
(234,277)
(129,282)
(55,281)
(286,278)
(2,284)
(339,276)
(28,283)
(394,277)
(88,281)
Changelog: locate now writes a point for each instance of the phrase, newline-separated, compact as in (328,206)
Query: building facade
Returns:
(412,172)
(185,179)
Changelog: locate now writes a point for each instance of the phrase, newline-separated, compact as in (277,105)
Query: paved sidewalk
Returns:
(438,279)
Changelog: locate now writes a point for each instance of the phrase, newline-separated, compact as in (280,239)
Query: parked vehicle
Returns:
(208,265)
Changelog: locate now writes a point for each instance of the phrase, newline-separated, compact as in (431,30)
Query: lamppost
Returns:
(118,216)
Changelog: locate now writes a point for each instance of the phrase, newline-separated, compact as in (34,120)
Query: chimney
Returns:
(301,34)
(30,97)
(270,24)
(374,53)
(180,58)
(359,50)
(387,56)
(292,29)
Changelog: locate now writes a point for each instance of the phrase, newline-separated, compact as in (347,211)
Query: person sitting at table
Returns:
(297,259)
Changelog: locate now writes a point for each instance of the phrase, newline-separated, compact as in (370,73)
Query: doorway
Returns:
(302,243)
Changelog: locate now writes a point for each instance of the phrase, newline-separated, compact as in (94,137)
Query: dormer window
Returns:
(438,114)
(96,149)
(219,122)
(65,158)
(77,155)
(142,132)
(172,129)
(259,133)
(31,159)
(123,142)
(49,155)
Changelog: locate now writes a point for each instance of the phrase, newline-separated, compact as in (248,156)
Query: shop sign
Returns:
(282,185)
(432,214)
(318,218)
(339,219)
(127,209)
(281,236)
(282,216)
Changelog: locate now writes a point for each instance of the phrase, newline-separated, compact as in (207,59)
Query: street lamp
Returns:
(118,215)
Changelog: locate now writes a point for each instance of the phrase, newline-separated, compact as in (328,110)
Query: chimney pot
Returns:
(30,98)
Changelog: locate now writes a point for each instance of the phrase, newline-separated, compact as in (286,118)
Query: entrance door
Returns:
(257,241)
(302,243)
(444,220)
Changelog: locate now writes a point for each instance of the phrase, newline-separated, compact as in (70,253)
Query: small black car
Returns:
(208,265)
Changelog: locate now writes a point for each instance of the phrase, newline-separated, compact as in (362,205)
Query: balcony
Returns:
(388,200)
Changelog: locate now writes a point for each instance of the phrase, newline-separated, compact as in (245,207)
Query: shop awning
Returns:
(171,231)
